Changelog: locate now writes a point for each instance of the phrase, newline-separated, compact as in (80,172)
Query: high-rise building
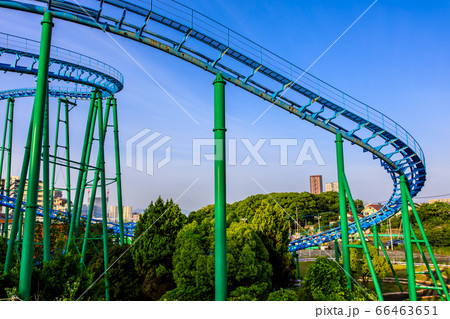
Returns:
(315,183)
(128,213)
(126,210)
(97,209)
(332,187)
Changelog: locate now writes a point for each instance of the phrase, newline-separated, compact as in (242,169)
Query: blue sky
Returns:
(395,58)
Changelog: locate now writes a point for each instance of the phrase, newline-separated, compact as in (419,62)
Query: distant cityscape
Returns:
(60,203)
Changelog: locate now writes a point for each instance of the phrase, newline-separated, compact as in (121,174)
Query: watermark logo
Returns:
(252,151)
(148,142)
(148,151)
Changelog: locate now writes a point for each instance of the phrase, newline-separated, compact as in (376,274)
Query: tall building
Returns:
(97,210)
(332,187)
(315,183)
(126,210)
(128,213)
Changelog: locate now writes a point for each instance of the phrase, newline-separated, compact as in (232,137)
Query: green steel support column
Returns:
(425,261)
(407,241)
(8,161)
(85,171)
(8,105)
(294,254)
(343,210)
(35,158)
(337,254)
(46,177)
(87,136)
(69,210)
(55,153)
(19,235)
(389,262)
(89,218)
(101,155)
(93,193)
(220,190)
(376,282)
(16,227)
(118,173)
(5,130)
(427,245)
(375,235)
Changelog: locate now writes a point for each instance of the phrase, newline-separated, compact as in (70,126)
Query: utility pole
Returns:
(390,233)
(318,219)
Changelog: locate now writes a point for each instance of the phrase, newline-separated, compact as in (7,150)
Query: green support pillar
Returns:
(343,210)
(101,160)
(45,183)
(67,148)
(78,199)
(375,237)
(407,241)
(86,169)
(93,192)
(428,246)
(366,252)
(295,255)
(337,253)
(16,227)
(68,196)
(55,153)
(388,260)
(220,190)
(35,158)
(118,174)
(346,191)
(9,119)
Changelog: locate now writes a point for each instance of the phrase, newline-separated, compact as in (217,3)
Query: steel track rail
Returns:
(65,65)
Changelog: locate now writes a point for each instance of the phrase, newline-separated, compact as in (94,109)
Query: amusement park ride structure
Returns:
(187,34)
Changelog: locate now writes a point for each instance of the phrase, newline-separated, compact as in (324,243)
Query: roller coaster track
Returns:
(187,34)
(10,202)
(58,92)
(21,55)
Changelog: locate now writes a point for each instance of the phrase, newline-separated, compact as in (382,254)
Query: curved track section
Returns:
(10,202)
(57,92)
(21,55)
(187,34)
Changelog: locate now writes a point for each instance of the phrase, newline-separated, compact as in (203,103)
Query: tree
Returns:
(252,293)
(247,263)
(154,245)
(124,281)
(193,263)
(247,258)
(283,295)
(60,278)
(325,280)
(272,225)
(360,267)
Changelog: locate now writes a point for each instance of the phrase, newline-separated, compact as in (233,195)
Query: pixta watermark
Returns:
(148,151)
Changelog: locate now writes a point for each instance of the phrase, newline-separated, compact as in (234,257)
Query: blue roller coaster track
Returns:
(191,36)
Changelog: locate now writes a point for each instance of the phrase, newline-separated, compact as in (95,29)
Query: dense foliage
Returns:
(322,271)
(360,267)
(172,256)
(154,245)
(435,219)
